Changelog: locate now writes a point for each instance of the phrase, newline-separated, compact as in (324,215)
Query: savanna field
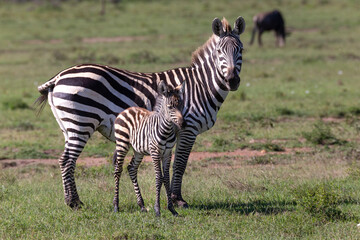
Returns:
(296,114)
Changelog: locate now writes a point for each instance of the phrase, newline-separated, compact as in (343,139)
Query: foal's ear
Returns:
(163,89)
(239,26)
(217,27)
(181,88)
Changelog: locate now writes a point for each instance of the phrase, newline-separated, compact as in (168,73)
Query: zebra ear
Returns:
(162,88)
(217,27)
(180,88)
(239,26)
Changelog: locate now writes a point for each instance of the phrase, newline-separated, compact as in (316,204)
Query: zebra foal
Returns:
(149,133)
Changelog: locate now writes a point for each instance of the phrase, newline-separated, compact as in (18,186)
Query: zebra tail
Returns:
(44,89)
(39,104)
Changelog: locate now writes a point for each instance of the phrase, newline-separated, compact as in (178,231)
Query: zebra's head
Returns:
(228,51)
(172,104)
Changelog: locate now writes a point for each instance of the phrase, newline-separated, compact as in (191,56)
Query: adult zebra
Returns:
(87,98)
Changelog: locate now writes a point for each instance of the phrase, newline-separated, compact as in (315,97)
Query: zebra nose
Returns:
(230,73)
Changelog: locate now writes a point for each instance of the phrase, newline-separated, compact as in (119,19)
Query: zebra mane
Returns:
(158,103)
(226,25)
(200,51)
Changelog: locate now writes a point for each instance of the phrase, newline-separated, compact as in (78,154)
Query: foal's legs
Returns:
(133,169)
(119,161)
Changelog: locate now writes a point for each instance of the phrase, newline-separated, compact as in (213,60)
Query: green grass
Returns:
(303,95)
(303,196)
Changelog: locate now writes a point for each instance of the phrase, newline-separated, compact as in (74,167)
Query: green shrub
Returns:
(321,201)
(322,134)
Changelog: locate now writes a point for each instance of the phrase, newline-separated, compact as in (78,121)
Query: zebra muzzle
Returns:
(234,82)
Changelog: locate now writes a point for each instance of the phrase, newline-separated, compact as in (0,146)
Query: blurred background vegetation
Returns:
(283,93)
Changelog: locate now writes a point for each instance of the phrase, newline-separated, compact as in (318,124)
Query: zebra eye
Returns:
(218,51)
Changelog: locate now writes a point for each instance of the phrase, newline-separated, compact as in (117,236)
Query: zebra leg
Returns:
(185,142)
(114,157)
(120,155)
(166,167)
(133,169)
(67,162)
(76,134)
(156,158)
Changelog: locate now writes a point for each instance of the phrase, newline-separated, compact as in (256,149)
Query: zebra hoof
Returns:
(157,211)
(174,213)
(116,209)
(76,205)
(143,209)
(179,202)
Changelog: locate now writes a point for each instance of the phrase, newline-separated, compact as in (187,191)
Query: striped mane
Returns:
(158,103)
(199,52)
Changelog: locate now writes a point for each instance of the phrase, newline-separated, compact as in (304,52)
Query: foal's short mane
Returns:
(158,102)
(199,52)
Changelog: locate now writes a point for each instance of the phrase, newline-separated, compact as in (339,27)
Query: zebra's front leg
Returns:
(67,166)
(133,169)
(155,155)
(120,155)
(166,168)
(185,142)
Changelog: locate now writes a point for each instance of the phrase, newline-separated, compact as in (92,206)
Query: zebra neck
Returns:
(204,65)
(165,126)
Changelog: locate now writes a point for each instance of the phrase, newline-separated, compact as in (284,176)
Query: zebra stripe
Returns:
(87,98)
(149,133)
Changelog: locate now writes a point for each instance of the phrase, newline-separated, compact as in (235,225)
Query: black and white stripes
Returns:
(149,133)
(87,98)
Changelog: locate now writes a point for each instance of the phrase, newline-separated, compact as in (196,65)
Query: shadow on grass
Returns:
(257,206)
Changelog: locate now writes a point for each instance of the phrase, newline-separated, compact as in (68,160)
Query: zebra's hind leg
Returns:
(120,155)
(133,169)
(67,162)
(166,167)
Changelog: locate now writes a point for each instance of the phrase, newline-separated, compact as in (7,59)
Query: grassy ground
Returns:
(303,95)
(302,196)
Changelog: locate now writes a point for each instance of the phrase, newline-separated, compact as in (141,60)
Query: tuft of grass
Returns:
(268,146)
(262,160)
(14,103)
(355,111)
(354,170)
(93,172)
(24,126)
(321,201)
(322,134)
(284,111)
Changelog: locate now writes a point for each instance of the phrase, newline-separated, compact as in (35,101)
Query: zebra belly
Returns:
(81,106)
(143,144)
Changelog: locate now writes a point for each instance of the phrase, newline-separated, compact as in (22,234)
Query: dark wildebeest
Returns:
(268,21)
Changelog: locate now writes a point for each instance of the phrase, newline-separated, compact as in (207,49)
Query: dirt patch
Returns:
(194,156)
